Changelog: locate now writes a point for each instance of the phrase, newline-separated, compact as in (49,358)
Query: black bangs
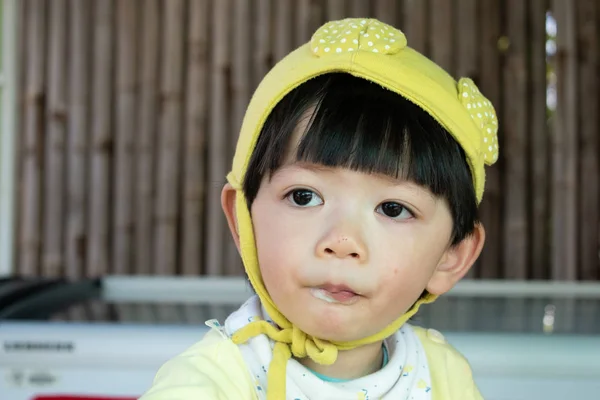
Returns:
(344,121)
(353,126)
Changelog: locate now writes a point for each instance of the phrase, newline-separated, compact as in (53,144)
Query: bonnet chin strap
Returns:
(289,339)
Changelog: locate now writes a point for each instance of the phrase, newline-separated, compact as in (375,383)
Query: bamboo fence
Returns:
(130,110)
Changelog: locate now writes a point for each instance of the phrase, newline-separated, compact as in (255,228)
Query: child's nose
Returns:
(343,246)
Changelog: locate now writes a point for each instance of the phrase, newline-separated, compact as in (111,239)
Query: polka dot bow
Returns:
(351,34)
(483,114)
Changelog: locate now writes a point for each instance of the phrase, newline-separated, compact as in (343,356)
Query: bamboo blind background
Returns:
(130,111)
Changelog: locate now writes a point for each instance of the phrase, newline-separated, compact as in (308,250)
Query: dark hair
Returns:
(357,124)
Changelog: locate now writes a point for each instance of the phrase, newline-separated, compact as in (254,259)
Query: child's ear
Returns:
(456,262)
(228,197)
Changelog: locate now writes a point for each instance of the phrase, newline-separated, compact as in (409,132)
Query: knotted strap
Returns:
(288,341)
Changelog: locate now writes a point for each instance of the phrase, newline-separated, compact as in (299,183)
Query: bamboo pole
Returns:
(538,152)
(56,117)
(359,8)
(195,138)
(387,11)
(416,25)
(218,164)
(241,97)
(515,144)
(78,127)
(125,114)
(14,41)
(442,34)
(336,9)
(490,73)
(168,174)
(588,19)
(283,39)
(466,38)
(564,147)
(302,22)
(263,54)
(102,140)
(32,156)
(241,67)
(146,138)
(145,145)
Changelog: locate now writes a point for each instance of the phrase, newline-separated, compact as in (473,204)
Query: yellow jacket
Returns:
(213,369)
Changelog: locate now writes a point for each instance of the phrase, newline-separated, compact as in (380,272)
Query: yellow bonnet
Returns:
(372,50)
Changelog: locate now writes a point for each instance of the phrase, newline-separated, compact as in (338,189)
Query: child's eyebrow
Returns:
(407,184)
(302,165)
(393,181)
(311,166)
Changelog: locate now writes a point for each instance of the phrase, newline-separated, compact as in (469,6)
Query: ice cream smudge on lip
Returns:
(343,296)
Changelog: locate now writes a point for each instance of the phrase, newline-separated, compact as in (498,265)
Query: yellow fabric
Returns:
(371,50)
(213,369)
(451,375)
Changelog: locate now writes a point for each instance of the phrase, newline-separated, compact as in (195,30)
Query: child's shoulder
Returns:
(211,368)
(436,344)
(450,371)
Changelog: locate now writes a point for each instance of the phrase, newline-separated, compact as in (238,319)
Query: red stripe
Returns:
(72,397)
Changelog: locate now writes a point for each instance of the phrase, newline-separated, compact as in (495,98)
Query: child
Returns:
(352,200)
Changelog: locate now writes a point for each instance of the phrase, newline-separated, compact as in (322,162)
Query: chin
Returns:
(333,325)
(338,337)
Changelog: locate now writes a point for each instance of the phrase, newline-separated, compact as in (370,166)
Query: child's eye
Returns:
(394,210)
(304,198)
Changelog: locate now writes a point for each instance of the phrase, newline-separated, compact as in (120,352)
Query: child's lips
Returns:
(335,294)
(342,296)
(331,288)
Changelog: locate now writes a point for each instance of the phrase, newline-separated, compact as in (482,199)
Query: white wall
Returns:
(8,120)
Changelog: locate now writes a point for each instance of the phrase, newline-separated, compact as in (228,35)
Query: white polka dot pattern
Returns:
(483,114)
(353,34)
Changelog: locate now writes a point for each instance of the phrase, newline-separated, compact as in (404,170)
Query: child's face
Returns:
(342,253)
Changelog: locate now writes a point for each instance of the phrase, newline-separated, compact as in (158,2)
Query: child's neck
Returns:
(350,364)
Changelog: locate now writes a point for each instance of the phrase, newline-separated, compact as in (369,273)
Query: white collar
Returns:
(406,376)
